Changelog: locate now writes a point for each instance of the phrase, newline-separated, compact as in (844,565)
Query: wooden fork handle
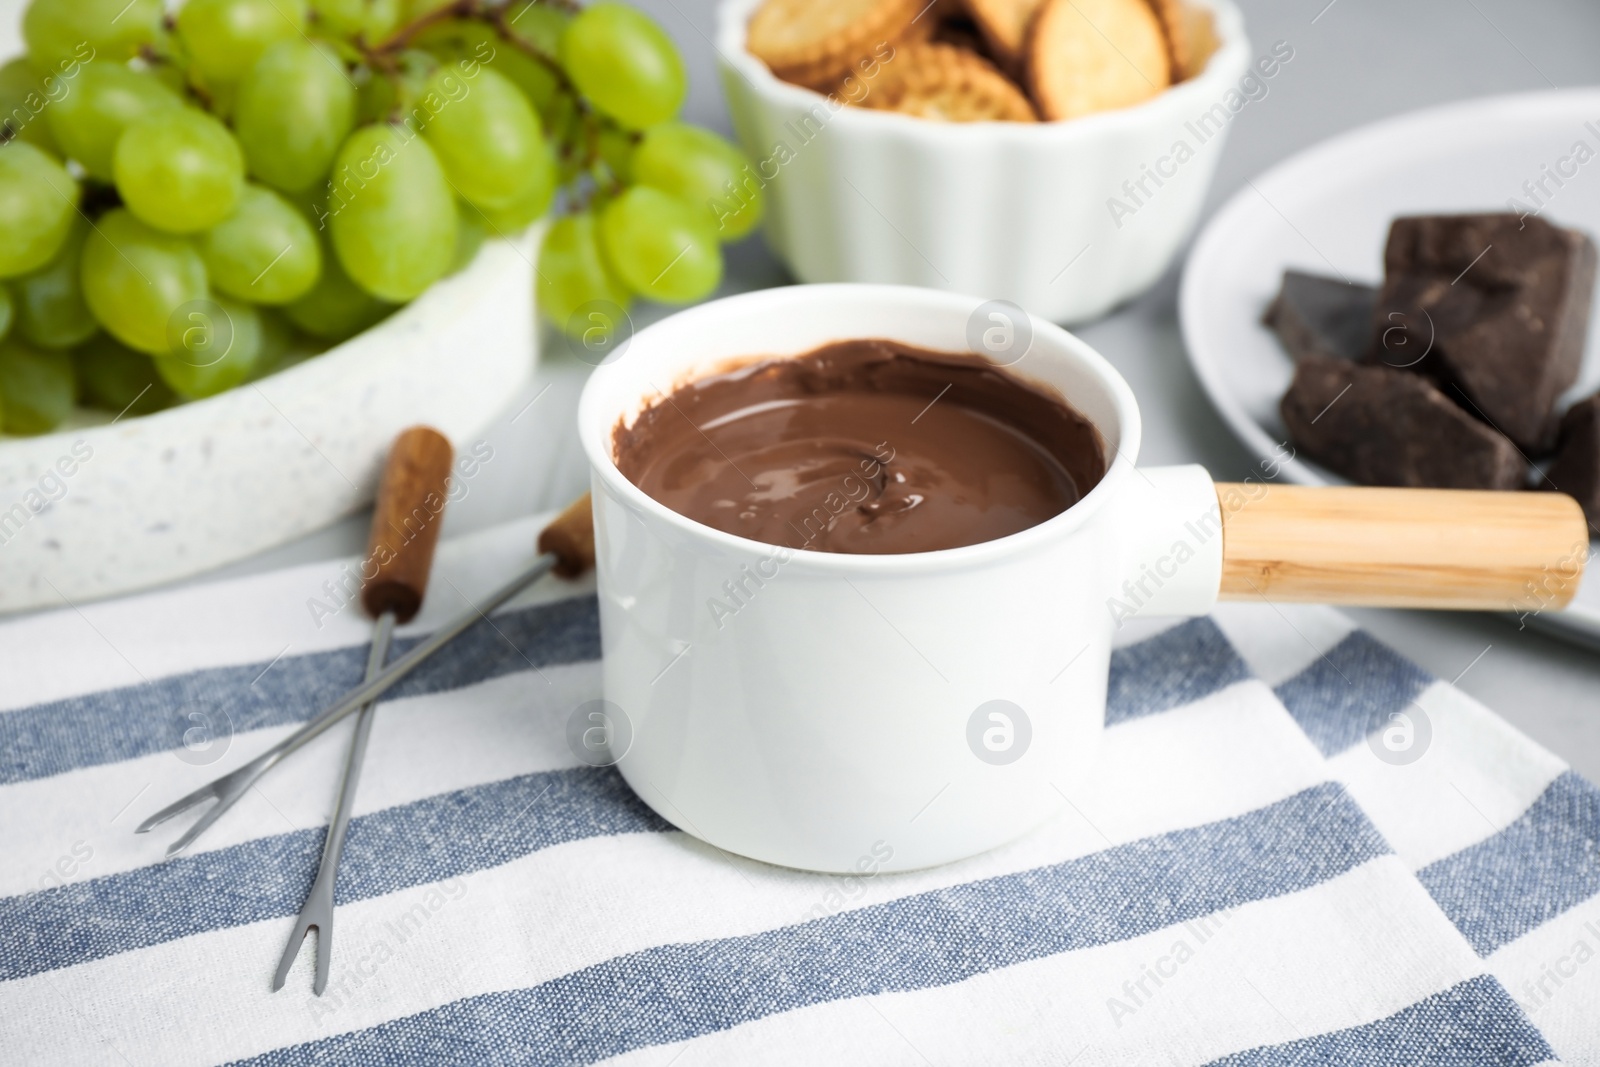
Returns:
(570,536)
(405,523)
(1416,548)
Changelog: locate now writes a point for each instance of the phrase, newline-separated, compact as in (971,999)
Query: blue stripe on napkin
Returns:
(1178,666)
(1533,870)
(121,724)
(1471,1024)
(429,840)
(1188,662)
(671,993)
(1351,691)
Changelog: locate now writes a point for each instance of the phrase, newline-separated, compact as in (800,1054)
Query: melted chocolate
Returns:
(864,447)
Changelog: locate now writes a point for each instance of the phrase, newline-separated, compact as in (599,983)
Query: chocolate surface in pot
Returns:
(863,446)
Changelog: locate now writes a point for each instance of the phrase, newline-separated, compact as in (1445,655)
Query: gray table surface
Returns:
(1355,61)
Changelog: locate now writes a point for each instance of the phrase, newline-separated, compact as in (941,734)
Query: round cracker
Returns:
(814,42)
(1201,36)
(940,81)
(971,100)
(1174,18)
(1095,55)
(928,19)
(1004,24)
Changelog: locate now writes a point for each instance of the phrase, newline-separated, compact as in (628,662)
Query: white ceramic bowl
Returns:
(163,496)
(1011,211)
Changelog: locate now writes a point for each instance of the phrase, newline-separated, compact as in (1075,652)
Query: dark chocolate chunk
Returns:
(1576,470)
(1318,316)
(1492,307)
(1379,426)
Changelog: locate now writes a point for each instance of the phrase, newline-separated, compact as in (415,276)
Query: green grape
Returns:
(376,98)
(470,227)
(702,170)
(311,204)
(115,378)
(617,148)
(37,388)
(336,307)
(538,23)
(624,64)
(486,135)
(179,170)
(224,38)
(293,111)
(265,252)
(8,311)
(371,20)
(51,312)
(279,350)
(471,45)
(38,201)
(106,98)
(114,30)
(415,9)
(215,350)
(175,77)
(24,95)
(135,279)
(659,246)
(572,272)
(391,212)
(535,200)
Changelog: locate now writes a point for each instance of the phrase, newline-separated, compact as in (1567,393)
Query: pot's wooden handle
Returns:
(405,523)
(570,536)
(1416,548)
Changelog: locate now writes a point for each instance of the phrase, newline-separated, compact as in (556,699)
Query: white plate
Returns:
(1327,210)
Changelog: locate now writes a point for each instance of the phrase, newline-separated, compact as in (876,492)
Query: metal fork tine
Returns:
(302,926)
(324,954)
(178,807)
(317,914)
(200,827)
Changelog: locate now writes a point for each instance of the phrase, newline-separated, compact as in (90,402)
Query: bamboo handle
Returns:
(570,536)
(405,522)
(1416,548)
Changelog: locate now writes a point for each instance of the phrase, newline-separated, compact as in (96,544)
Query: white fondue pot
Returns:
(833,712)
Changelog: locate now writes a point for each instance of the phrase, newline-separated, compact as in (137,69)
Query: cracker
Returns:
(1174,18)
(1201,33)
(1004,24)
(1086,56)
(939,81)
(816,42)
(973,100)
(925,24)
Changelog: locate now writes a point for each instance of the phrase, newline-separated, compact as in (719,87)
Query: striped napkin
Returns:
(1299,849)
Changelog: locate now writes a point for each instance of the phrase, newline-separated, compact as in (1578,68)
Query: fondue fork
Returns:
(405,529)
(566,547)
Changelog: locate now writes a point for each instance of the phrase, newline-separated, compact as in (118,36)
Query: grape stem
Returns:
(397,41)
(381,55)
(497,17)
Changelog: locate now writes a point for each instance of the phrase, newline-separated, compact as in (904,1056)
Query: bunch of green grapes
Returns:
(190,200)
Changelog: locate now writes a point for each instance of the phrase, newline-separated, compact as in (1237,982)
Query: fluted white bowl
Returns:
(159,497)
(1012,211)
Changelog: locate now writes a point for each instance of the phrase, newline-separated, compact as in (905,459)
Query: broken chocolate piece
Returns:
(1318,316)
(1576,470)
(1379,426)
(1493,307)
